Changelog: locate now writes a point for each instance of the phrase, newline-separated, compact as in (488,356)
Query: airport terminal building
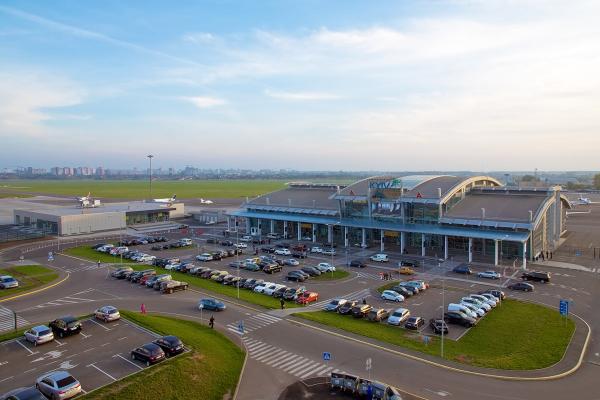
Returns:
(472,218)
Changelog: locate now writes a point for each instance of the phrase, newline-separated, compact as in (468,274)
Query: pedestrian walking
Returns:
(282,302)
(364,301)
(143,308)
(98,263)
(211,322)
(551,255)
(547,255)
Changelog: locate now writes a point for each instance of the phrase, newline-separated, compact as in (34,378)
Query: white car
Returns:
(204,257)
(484,299)
(489,275)
(380,257)
(329,252)
(147,258)
(283,252)
(246,238)
(272,288)
(398,316)
(7,281)
(39,334)
(477,310)
(476,302)
(240,245)
(291,261)
(316,249)
(392,296)
(107,314)
(490,296)
(171,267)
(325,267)
(262,286)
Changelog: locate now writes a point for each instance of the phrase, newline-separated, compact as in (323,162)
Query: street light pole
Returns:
(150,157)
(237,257)
(443,307)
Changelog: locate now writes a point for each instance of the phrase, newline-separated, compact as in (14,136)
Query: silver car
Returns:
(7,281)
(107,314)
(58,385)
(39,334)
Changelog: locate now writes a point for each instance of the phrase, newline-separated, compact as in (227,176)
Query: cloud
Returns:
(199,37)
(301,96)
(206,102)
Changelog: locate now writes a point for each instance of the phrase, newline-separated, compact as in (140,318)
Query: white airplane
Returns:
(584,201)
(85,198)
(168,201)
(202,201)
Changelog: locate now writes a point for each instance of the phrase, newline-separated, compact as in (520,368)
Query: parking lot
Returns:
(99,355)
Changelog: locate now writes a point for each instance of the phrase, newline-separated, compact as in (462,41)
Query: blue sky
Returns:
(451,85)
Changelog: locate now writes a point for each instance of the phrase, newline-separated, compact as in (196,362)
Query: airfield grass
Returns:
(29,277)
(138,189)
(331,276)
(542,335)
(209,371)
(90,254)
(14,195)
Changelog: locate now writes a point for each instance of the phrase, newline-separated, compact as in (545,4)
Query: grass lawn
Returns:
(328,276)
(138,189)
(14,195)
(29,277)
(245,295)
(90,254)
(516,335)
(209,371)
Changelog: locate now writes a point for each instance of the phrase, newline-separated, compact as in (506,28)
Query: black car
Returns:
(536,276)
(523,286)
(278,294)
(403,290)
(293,293)
(499,294)
(357,264)
(211,304)
(438,326)
(216,256)
(295,276)
(414,323)
(65,326)
(226,243)
(459,319)
(463,269)
(272,268)
(346,308)
(250,283)
(212,241)
(409,263)
(361,310)
(97,246)
(312,271)
(149,353)
(269,250)
(171,345)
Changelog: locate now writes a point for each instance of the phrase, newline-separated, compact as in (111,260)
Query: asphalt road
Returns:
(300,349)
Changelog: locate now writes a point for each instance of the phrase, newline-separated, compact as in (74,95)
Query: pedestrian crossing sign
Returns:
(326,356)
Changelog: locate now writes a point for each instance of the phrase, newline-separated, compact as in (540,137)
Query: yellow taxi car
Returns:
(405,271)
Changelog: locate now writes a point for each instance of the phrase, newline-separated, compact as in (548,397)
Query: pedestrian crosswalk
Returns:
(7,320)
(358,295)
(253,323)
(289,362)
(368,275)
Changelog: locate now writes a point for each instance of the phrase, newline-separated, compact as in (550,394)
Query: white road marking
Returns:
(103,327)
(84,335)
(25,347)
(124,359)
(104,372)
(5,379)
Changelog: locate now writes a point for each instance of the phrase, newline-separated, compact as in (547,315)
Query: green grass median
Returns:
(514,336)
(245,294)
(331,276)
(210,371)
(29,276)
(90,254)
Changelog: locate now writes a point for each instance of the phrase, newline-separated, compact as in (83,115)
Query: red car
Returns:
(307,297)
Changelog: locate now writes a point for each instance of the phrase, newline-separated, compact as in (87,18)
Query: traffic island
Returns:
(30,277)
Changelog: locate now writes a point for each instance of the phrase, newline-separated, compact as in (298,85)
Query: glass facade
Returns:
(136,218)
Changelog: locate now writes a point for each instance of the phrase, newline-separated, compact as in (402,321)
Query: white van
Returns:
(186,241)
(380,257)
(463,309)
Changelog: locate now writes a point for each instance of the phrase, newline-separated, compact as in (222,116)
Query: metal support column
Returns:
(346,236)
(363,242)
(525,255)
(470,250)
(381,244)
(329,233)
(299,231)
(446,247)
(402,242)
(495,252)
(285,232)
(314,233)
(272,226)
(422,245)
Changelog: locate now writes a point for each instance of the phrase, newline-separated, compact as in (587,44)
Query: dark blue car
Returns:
(211,304)
(463,269)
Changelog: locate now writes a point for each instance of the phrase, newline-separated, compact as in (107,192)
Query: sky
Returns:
(308,85)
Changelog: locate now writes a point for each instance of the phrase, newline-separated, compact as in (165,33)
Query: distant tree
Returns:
(576,186)
(597,181)
(529,178)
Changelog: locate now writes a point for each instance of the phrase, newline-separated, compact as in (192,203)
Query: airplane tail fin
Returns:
(174,196)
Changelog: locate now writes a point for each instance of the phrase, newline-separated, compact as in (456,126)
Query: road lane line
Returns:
(104,372)
(103,327)
(132,363)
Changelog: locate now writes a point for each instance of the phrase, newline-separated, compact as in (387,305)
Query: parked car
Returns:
(283,252)
(406,292)
(499,294)
(398,316)
(271,268)
(65,326)
(357,264)
(293,293)
(24,393)
(278,294)
(484,299)
(307,297)
(536,276)
(297,276)
(168,287)
(406,271)
(316,249)
(459,318)
(438,326)
(291,261)
(171,345)
(412,288)
(312,271)
(107,314)
(392,296)
(361,310)
(378,314)
(454,307)
(252,267)
(269,290)
(347,307)
(414,323)
(120,273)
(150,353)
(380,257)
(523,286)
(476,302)
(479,312)
(39,335)
(489,275)
(7,281)
(409,263)
(334,304)
(58,385)
(491,297)
(204,257)
(325,267)
(463,269)
(329,252)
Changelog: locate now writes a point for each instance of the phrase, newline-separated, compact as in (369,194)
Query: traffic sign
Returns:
(563,307)
(241,327)
(368,364)
(326,356)
(50,256)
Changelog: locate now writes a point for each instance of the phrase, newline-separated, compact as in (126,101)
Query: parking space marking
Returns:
(84,335)
(59,343)
(5,379)
(132,363)
(104,372)
(26,348)
(103,327)
(123,338)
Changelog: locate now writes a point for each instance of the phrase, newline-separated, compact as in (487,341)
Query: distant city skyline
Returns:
(338,85)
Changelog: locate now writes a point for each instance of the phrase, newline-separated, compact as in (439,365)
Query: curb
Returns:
(237,386)
(454,369)
(37,290)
